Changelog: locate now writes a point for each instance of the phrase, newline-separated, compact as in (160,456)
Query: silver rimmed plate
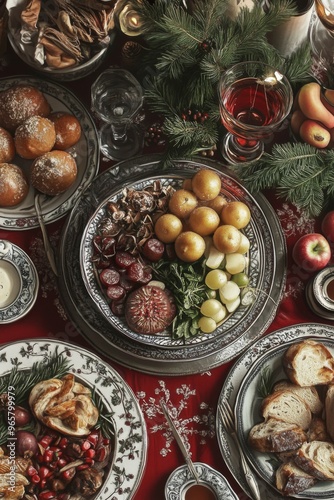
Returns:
(129,455)
(18,282)
(244,377)
(261,259)
(177,358)
(248,413)
(181,480)
(86,153)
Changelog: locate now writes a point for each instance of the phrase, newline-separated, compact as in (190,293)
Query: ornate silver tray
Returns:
(267,261)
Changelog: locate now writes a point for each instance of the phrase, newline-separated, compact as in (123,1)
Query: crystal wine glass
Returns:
(117,98)
(321,34)
(254,99)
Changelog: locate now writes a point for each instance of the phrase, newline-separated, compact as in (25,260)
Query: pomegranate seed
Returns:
(45,441)
(105,441)
(48,456)
(43,472)
(55,448)
(82,467)
(35,479)
(61,462)
(101,454)
(90,453)
(47,495)
(31,471)
(63,442)
(68,474)
(40,458)
(42,484)
(93,438)
(85,445)
(89,461)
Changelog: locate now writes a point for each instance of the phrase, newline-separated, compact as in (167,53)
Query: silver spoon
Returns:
(179,441)
(47,244)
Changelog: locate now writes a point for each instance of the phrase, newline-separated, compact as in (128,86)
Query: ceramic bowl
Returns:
(18,282)
(181,485)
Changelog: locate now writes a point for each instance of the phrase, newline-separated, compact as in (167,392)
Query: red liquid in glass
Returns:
(254,103)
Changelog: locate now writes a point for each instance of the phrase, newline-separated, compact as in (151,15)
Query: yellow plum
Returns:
(310,103)
(297,118)
(314,134)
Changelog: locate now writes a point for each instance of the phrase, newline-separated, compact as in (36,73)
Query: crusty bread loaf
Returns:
(273,436)
(318,430)
(291,479)
(329,412)
(308,393)
(287,406)
(309,363)
(317,458)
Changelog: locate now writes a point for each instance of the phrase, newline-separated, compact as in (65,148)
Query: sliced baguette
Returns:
(309,363)
(308,393)
(318,430)
(329,411)
(317,458)
(291,480)
(274,436)
(288,407)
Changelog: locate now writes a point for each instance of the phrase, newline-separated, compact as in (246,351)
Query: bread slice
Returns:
(288,407)
(308,393)
(291,480)
(317,458)
(274,436)
(329,411)
(309,363)
(318,430)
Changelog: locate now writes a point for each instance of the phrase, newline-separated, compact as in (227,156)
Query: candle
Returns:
(130,22)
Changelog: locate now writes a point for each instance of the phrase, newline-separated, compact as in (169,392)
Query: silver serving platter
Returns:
(86,153)
(268,261)
(266,350)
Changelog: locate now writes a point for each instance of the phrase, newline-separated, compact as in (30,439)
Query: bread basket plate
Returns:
(19,282)
(118,402)
(241,389)
(85,152)
(261,258)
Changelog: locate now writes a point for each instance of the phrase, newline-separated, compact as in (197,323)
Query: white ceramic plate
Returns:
(181,478)
(129,456)
(86,153)
(18,282)
(240,390)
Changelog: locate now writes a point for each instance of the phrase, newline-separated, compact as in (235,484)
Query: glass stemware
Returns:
(117,98)
(322,34)
(254,99)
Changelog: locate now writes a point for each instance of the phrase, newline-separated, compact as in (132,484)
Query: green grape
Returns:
(211,307)
(215,279)
(207,325)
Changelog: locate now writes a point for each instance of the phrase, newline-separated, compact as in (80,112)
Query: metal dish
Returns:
(180,359)
(118,399)
(86,152)
(19,282)
(275,342)
(181,480)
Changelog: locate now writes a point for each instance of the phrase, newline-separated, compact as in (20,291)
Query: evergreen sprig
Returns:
(300,173)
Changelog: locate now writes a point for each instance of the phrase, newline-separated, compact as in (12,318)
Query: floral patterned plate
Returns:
(261,351)
(181,480)
(129,456)
(19,282)
(85,152)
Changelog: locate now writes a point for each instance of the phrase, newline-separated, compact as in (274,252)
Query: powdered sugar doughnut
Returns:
(68,129)
(19,103)
(13,185)
(34,137)
(54,172)
(7,146)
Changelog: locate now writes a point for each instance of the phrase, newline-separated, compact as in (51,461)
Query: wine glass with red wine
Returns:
(254,99)
(322,34)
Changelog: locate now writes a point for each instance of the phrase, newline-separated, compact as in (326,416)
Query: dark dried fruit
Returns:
(148,310)
(153,249)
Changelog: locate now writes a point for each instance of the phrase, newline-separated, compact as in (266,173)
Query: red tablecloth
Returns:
(194,397)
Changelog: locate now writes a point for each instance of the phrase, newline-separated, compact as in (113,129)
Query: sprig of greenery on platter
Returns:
(299,172)
(186,53)
(266,382)
(104,423)
(189,292)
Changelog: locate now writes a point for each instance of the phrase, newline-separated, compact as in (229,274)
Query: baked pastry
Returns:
(309,363)
(291,479)
(20,102)
(316,458)
(274,436)
(68,129)
(288,407)
(308,393)
(64,405)
(7,146)
(34,137)
(13,185)
(54,172)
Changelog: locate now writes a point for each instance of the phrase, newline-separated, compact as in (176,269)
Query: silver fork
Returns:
(227,417)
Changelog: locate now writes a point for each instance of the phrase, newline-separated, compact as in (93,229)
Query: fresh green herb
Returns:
(266,382)
(105,422)
(186,282)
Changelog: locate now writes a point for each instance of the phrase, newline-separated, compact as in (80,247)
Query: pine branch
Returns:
(184,133)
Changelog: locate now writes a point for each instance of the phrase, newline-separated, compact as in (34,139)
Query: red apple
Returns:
(327,226)
(311,252)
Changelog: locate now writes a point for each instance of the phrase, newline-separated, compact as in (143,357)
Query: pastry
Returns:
(68,129)
(34,137)
(7,146)
(13,185)
(54,172)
